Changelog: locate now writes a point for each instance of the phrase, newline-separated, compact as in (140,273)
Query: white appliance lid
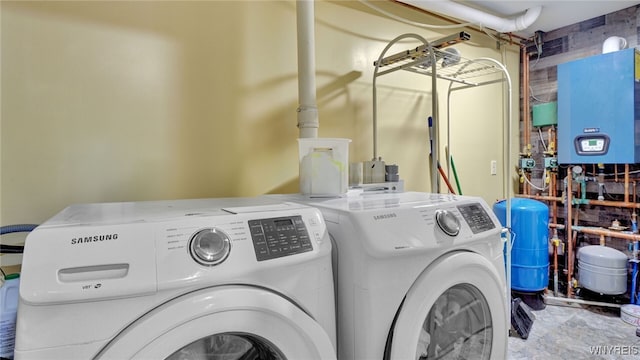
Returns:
(365,202)
(152,211)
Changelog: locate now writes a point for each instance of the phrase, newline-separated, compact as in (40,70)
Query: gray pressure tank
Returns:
(602,269)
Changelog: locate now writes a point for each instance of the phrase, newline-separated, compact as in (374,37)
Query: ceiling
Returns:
(554,15)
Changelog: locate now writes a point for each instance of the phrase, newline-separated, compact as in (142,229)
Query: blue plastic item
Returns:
(529,253)
(8,313)
(17,228)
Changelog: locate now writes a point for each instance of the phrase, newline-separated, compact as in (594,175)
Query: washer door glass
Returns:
(229,346)
(225,322)
(456,309)
(458,326)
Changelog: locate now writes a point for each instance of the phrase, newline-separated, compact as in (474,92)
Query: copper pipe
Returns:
(626,183)
(620,204)
(574,233)
(574,237)
(609,233)
(568,234)
(554,179)
(555,263)
(555,257)
(600,231)
(525,109)
(540,197)
(614,203)
(525,97)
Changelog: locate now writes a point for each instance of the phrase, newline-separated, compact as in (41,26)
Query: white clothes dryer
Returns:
(419,276)
(184,279)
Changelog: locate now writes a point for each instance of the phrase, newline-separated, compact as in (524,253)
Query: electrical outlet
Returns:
(494,167)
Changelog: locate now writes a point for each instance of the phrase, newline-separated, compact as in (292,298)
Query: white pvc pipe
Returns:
(481,18)
(307,110)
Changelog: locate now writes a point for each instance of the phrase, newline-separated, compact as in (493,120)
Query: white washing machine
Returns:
(419,276)
(186,279)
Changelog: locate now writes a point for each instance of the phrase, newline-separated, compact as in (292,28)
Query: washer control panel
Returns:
(278,237)
(476,217)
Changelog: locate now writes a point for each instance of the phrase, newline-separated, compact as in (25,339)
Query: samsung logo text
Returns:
(384,216)
(92,239)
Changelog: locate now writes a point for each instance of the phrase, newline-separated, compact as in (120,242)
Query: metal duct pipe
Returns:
(307,109)
(483,19)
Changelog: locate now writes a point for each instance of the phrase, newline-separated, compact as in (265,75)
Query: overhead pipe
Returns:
(307,109)
(481,18)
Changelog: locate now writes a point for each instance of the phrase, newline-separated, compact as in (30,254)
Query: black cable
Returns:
(9,229)
(11,249)
(604,189)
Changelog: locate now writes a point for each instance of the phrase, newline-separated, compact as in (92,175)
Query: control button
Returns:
(448,222)
(209,246)
(278,237)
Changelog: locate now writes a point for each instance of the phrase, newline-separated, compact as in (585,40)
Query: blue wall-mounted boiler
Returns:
(599,109)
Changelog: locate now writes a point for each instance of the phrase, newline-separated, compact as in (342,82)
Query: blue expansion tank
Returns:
(530,252)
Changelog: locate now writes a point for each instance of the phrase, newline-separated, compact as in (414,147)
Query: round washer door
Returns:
(230,322)
(456,309)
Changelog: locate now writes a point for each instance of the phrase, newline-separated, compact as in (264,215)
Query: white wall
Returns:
(129,101)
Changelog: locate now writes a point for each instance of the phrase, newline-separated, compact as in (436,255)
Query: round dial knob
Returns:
(209,246)
(448,222)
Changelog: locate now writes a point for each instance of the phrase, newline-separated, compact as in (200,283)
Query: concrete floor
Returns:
(577,332)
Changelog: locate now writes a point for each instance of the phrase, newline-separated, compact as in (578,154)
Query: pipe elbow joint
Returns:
(528,18)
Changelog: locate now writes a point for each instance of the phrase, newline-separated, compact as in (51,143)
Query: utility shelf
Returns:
(465,71)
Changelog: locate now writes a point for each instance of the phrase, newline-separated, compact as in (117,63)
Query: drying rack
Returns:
(430,59)
(435,61)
